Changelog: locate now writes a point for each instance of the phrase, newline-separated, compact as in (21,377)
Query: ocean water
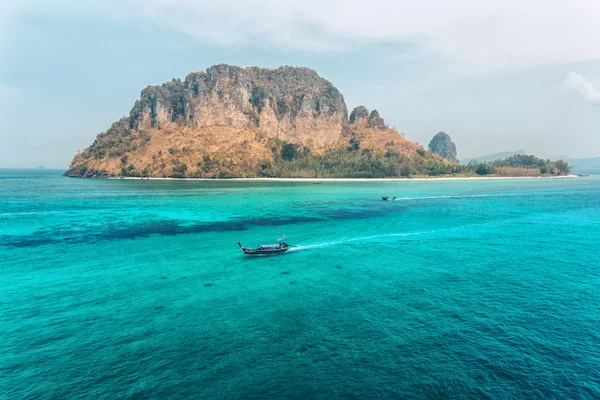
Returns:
(458,289)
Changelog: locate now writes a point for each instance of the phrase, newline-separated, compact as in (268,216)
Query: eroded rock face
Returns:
(293,104)
(358,114)
(375,121)
(443,145)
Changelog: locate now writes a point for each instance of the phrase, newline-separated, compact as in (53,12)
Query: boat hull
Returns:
(263,251)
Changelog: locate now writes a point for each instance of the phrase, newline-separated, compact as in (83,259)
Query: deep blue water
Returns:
(459,289)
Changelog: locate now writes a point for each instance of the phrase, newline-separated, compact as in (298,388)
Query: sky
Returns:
(496,75)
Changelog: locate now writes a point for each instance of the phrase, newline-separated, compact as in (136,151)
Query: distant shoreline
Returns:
(450,178)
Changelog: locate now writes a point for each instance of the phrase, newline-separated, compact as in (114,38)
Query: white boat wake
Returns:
(458,196)
(358,239)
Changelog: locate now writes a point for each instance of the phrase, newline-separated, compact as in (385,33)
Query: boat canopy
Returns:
(270,245)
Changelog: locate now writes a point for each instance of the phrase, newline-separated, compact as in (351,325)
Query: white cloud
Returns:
(474,35)
(477,35)
(33,144)
(578,83)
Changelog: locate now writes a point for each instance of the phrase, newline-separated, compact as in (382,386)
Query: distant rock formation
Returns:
(585,165)
(359,113)
(493,157)
(442,145)
(375,121)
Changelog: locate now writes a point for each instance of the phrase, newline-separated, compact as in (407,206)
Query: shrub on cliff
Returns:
(258,98)
(179,170)
(354,144)
(289,151)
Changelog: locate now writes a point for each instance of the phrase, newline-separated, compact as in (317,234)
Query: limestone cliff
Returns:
(443,145)
(229,121)
(358,114)
(375,121)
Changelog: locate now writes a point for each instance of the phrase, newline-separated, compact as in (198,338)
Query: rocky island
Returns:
(443,145)
(250,122)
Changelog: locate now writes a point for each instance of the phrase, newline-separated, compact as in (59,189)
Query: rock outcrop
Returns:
(231,121)
(358,114)
(375,121)
(293,104)
(443,145)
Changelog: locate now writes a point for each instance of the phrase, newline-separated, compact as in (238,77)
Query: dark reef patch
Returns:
(120,231)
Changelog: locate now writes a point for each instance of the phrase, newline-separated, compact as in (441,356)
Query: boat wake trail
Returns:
(458,196)
(374,238)
(358,239)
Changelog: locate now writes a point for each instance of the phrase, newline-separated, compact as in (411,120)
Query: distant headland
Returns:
(233,122)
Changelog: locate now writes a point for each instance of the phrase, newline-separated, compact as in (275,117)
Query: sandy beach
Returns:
(450,178)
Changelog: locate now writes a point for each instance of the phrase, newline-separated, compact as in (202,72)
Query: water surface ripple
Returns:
(458,289)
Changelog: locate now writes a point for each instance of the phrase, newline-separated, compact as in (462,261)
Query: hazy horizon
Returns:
(496,78)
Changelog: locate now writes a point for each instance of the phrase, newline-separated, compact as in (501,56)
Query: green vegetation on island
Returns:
(521,165)
(230,122)
(292,161)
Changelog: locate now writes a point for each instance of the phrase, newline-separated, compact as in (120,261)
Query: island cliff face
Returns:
(294,104)
(443,145)
(235,122)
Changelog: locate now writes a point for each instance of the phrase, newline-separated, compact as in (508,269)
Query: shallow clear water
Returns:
(462,289)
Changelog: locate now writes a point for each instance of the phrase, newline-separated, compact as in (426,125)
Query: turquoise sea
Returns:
(458,289)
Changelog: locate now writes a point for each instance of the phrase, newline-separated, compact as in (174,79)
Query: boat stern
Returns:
(241,247)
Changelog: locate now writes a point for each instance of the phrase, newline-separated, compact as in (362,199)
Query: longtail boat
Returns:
(279,247)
